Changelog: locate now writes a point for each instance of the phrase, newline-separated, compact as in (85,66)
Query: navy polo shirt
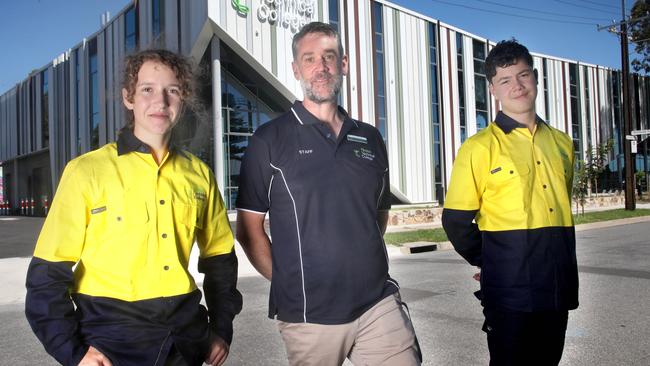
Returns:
(322,194)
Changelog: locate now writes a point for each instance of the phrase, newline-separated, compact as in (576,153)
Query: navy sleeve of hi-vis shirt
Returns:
(255,177)
(50,311)
(220,290)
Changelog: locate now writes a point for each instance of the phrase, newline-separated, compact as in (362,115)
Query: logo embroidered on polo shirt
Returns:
(305,151)
(359,139)
(495,170)
(201,196)
(364,153)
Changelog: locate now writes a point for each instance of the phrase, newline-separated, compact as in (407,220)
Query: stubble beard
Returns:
(332,96)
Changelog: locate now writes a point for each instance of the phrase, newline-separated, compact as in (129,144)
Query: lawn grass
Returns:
(620,213)
(438,235)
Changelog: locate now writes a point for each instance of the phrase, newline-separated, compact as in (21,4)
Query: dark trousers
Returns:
(174,358)
(519,338)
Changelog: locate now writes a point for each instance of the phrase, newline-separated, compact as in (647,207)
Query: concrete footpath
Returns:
(18,236)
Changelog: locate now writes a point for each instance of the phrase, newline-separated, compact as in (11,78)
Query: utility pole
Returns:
(630,203)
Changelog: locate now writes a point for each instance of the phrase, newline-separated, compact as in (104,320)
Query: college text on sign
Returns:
(290,14)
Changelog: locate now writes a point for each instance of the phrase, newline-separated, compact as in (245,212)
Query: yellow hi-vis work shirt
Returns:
(516,185)
(129,225)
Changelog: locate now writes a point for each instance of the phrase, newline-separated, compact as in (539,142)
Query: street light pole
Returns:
(630,203)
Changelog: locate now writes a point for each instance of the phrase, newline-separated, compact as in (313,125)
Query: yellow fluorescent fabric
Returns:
(519,180)
(131,224)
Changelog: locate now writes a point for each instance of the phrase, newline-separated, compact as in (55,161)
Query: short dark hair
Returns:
(506,53)
(316,27)
(180,65)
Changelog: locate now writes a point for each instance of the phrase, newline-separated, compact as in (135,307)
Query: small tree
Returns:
(639,32)
(580,185)
(596,160)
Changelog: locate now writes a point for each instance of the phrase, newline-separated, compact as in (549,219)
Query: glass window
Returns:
(575,111)
(380,77)
(546,99)
(77,100)
(45,109)
(587,102)
(461,87)
(334,13)
(243,112)
(156,18)
(130,30)
(93,79)
(480,84)
(439,194)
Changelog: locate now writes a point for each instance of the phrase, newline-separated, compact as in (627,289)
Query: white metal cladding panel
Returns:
(256,37)
(470,87)
(582,102)
(586,107)
(567,90)
(494,104)
(455,122)
(593,102)
(556,94)
(604,113)
(354,108)
(447,105)
(366,57)
(415,109)
(261,47)
(394,137)
(284,56)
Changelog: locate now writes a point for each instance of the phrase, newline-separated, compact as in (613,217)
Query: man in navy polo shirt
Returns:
(323,179)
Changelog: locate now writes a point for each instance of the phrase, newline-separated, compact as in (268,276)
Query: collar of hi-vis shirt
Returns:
(507,124)
(305,118)
(127,142)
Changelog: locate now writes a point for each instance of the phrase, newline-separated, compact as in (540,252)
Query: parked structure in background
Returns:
(425,79)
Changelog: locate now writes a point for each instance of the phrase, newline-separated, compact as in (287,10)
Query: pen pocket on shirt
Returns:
(186,215)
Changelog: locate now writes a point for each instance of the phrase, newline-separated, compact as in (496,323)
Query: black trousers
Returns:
(174,358)
(519,338)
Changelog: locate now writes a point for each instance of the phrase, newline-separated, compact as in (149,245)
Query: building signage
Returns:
(241,8)
(288,14)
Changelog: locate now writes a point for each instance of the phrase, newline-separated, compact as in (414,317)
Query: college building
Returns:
(420,81)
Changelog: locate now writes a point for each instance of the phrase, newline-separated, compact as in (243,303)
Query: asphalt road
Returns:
(611,326)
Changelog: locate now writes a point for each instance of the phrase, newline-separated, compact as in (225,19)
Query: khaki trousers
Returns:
(383,335)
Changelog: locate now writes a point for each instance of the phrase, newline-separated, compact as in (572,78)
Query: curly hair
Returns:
(180,65)
(506,53)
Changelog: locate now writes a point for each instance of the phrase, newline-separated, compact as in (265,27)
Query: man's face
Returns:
(515,86)
(319,67)
(156,102)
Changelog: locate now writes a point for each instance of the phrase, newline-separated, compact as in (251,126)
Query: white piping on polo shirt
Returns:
(296,114)
(302,270)
(383,186)
(253,211)
(300,121)
(268,194)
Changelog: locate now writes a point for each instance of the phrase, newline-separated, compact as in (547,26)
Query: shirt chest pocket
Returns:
(113,218)
(188,218)
(506,186)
